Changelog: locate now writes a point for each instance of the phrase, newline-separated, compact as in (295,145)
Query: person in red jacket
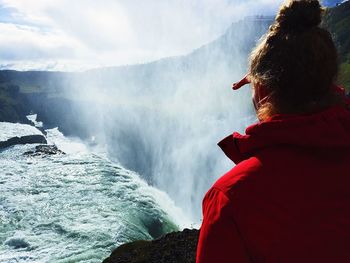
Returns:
(288,197)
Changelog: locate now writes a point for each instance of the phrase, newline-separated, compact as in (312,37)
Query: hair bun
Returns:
(299,15)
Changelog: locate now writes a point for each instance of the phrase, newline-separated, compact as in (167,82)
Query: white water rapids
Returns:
(75,207)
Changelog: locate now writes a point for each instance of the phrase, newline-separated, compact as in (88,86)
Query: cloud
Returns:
(26,42)
(113,32)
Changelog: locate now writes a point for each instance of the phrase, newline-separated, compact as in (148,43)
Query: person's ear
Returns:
(260,95)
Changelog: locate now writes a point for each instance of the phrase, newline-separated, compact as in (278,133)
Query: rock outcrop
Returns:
(42,150)
(17,133)
(176,247)
(36,138)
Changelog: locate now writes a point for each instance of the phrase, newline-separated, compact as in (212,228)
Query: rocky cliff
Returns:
(176,247)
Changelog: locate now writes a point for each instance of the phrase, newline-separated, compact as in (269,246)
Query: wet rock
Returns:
(17,243)
(27,139)
(42,150)
(176,247)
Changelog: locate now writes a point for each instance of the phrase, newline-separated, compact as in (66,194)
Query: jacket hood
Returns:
(322,130)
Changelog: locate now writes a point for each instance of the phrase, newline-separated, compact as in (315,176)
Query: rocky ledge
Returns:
(176,247)
(16,133)
(42,150)
(36,138)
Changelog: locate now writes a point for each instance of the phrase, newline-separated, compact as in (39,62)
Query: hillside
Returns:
(337,20)
(331,3)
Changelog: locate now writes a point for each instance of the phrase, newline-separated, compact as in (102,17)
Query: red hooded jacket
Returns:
(288,197)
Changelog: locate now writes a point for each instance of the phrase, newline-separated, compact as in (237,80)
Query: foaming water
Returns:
(75,207)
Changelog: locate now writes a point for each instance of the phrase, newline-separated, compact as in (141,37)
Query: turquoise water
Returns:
(75,207)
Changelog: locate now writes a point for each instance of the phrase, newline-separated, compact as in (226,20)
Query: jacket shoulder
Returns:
(239,177)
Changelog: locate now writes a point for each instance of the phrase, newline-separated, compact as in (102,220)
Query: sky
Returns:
(81,34)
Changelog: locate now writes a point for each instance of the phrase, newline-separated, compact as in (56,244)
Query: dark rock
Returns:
(176,247)
(41,129)
(41,150)
(17,243)
(28,139)
(12,104)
